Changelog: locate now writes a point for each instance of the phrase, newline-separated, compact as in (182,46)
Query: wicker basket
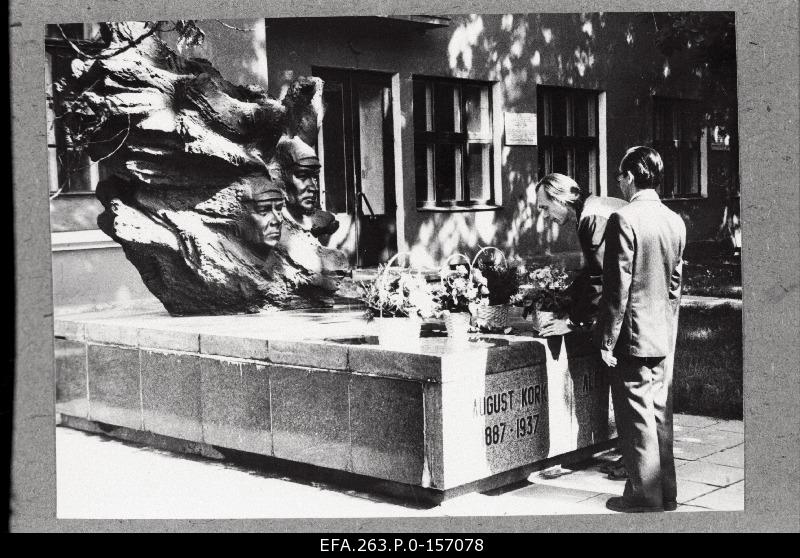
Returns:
(492,317)
(540,316)
(495,316)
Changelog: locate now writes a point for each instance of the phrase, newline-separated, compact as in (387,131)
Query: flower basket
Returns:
(501,278)
(492,317)
(399,293)
(542,316)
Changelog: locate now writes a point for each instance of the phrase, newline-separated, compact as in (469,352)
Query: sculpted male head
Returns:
(301,168)
(263,200)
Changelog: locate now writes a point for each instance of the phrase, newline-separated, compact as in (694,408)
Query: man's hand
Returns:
(555,326)
(608,357)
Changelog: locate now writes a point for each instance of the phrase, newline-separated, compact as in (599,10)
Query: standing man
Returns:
(636,330)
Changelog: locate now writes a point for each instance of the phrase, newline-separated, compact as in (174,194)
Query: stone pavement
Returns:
(100,477)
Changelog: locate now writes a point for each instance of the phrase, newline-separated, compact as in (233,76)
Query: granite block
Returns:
(314,354)
(590,396)
(387,428)
(563,434)
(488,423)
(169,339)
(433,466)
(518,354)
(235,406)
(72,392)
(310,416)
(234,346)
(369,359)
(114,385)
(171,394)
(69,329)
(112,333)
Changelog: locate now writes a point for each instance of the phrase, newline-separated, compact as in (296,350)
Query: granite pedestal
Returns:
(316,388)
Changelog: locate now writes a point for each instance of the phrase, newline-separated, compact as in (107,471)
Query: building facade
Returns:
(437,128)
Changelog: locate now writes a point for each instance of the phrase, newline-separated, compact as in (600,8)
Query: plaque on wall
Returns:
(520,128)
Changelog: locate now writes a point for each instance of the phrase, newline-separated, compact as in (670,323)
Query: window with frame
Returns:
(453,143)
(567,129)
(677,132)
(70,171)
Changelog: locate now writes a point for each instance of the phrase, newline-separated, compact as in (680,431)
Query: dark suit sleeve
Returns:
(588,285)
(617,274)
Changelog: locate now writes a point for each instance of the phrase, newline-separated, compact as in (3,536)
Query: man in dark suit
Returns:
(636,330)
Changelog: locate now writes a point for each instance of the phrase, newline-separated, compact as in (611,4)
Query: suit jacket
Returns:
(587,287)
(641,278)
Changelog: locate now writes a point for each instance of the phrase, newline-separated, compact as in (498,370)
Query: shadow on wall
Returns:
(588,50)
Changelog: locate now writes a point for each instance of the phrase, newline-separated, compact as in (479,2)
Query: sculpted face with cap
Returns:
(263,200)
(301,172)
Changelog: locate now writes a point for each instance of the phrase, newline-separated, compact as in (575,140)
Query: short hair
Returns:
(646,166)
(561,188)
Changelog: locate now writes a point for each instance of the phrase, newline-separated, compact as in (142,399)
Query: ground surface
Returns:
(100,477)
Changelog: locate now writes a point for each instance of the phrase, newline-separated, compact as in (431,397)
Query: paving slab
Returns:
(701,442)
(693,421)
(730,426)
(554,494)
(709,473)
(689,490)
(731,457)
(590,479)
(730,498)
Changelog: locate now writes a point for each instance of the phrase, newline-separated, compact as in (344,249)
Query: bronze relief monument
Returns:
(214,194)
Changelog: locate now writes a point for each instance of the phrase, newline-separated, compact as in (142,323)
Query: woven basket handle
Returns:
(446,263)
(385,269)
(393,258)
(498,250)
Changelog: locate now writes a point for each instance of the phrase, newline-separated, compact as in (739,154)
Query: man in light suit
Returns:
(636,330)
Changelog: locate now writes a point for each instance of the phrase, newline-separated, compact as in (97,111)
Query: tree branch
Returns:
(131,43)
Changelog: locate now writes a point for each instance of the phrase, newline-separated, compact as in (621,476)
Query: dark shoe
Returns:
(622,504)
(670,505)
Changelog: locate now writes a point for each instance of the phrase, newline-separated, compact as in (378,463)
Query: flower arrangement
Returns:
(500,277)
(544,291)
(460,290)
(401,294)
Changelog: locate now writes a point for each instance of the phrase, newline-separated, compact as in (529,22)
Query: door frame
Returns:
(350,78)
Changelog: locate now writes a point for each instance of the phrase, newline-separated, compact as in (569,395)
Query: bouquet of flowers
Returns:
(401,294)
(500,277)
(460,290)
(544,291)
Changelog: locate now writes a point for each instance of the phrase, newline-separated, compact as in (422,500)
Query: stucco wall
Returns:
(614,53)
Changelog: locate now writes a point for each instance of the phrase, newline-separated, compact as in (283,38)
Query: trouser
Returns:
(641,389)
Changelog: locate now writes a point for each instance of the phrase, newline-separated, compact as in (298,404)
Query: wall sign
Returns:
(520,128)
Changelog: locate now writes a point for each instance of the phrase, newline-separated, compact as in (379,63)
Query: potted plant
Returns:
(501,278)
(458,297)
(398,301)
(544,294)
